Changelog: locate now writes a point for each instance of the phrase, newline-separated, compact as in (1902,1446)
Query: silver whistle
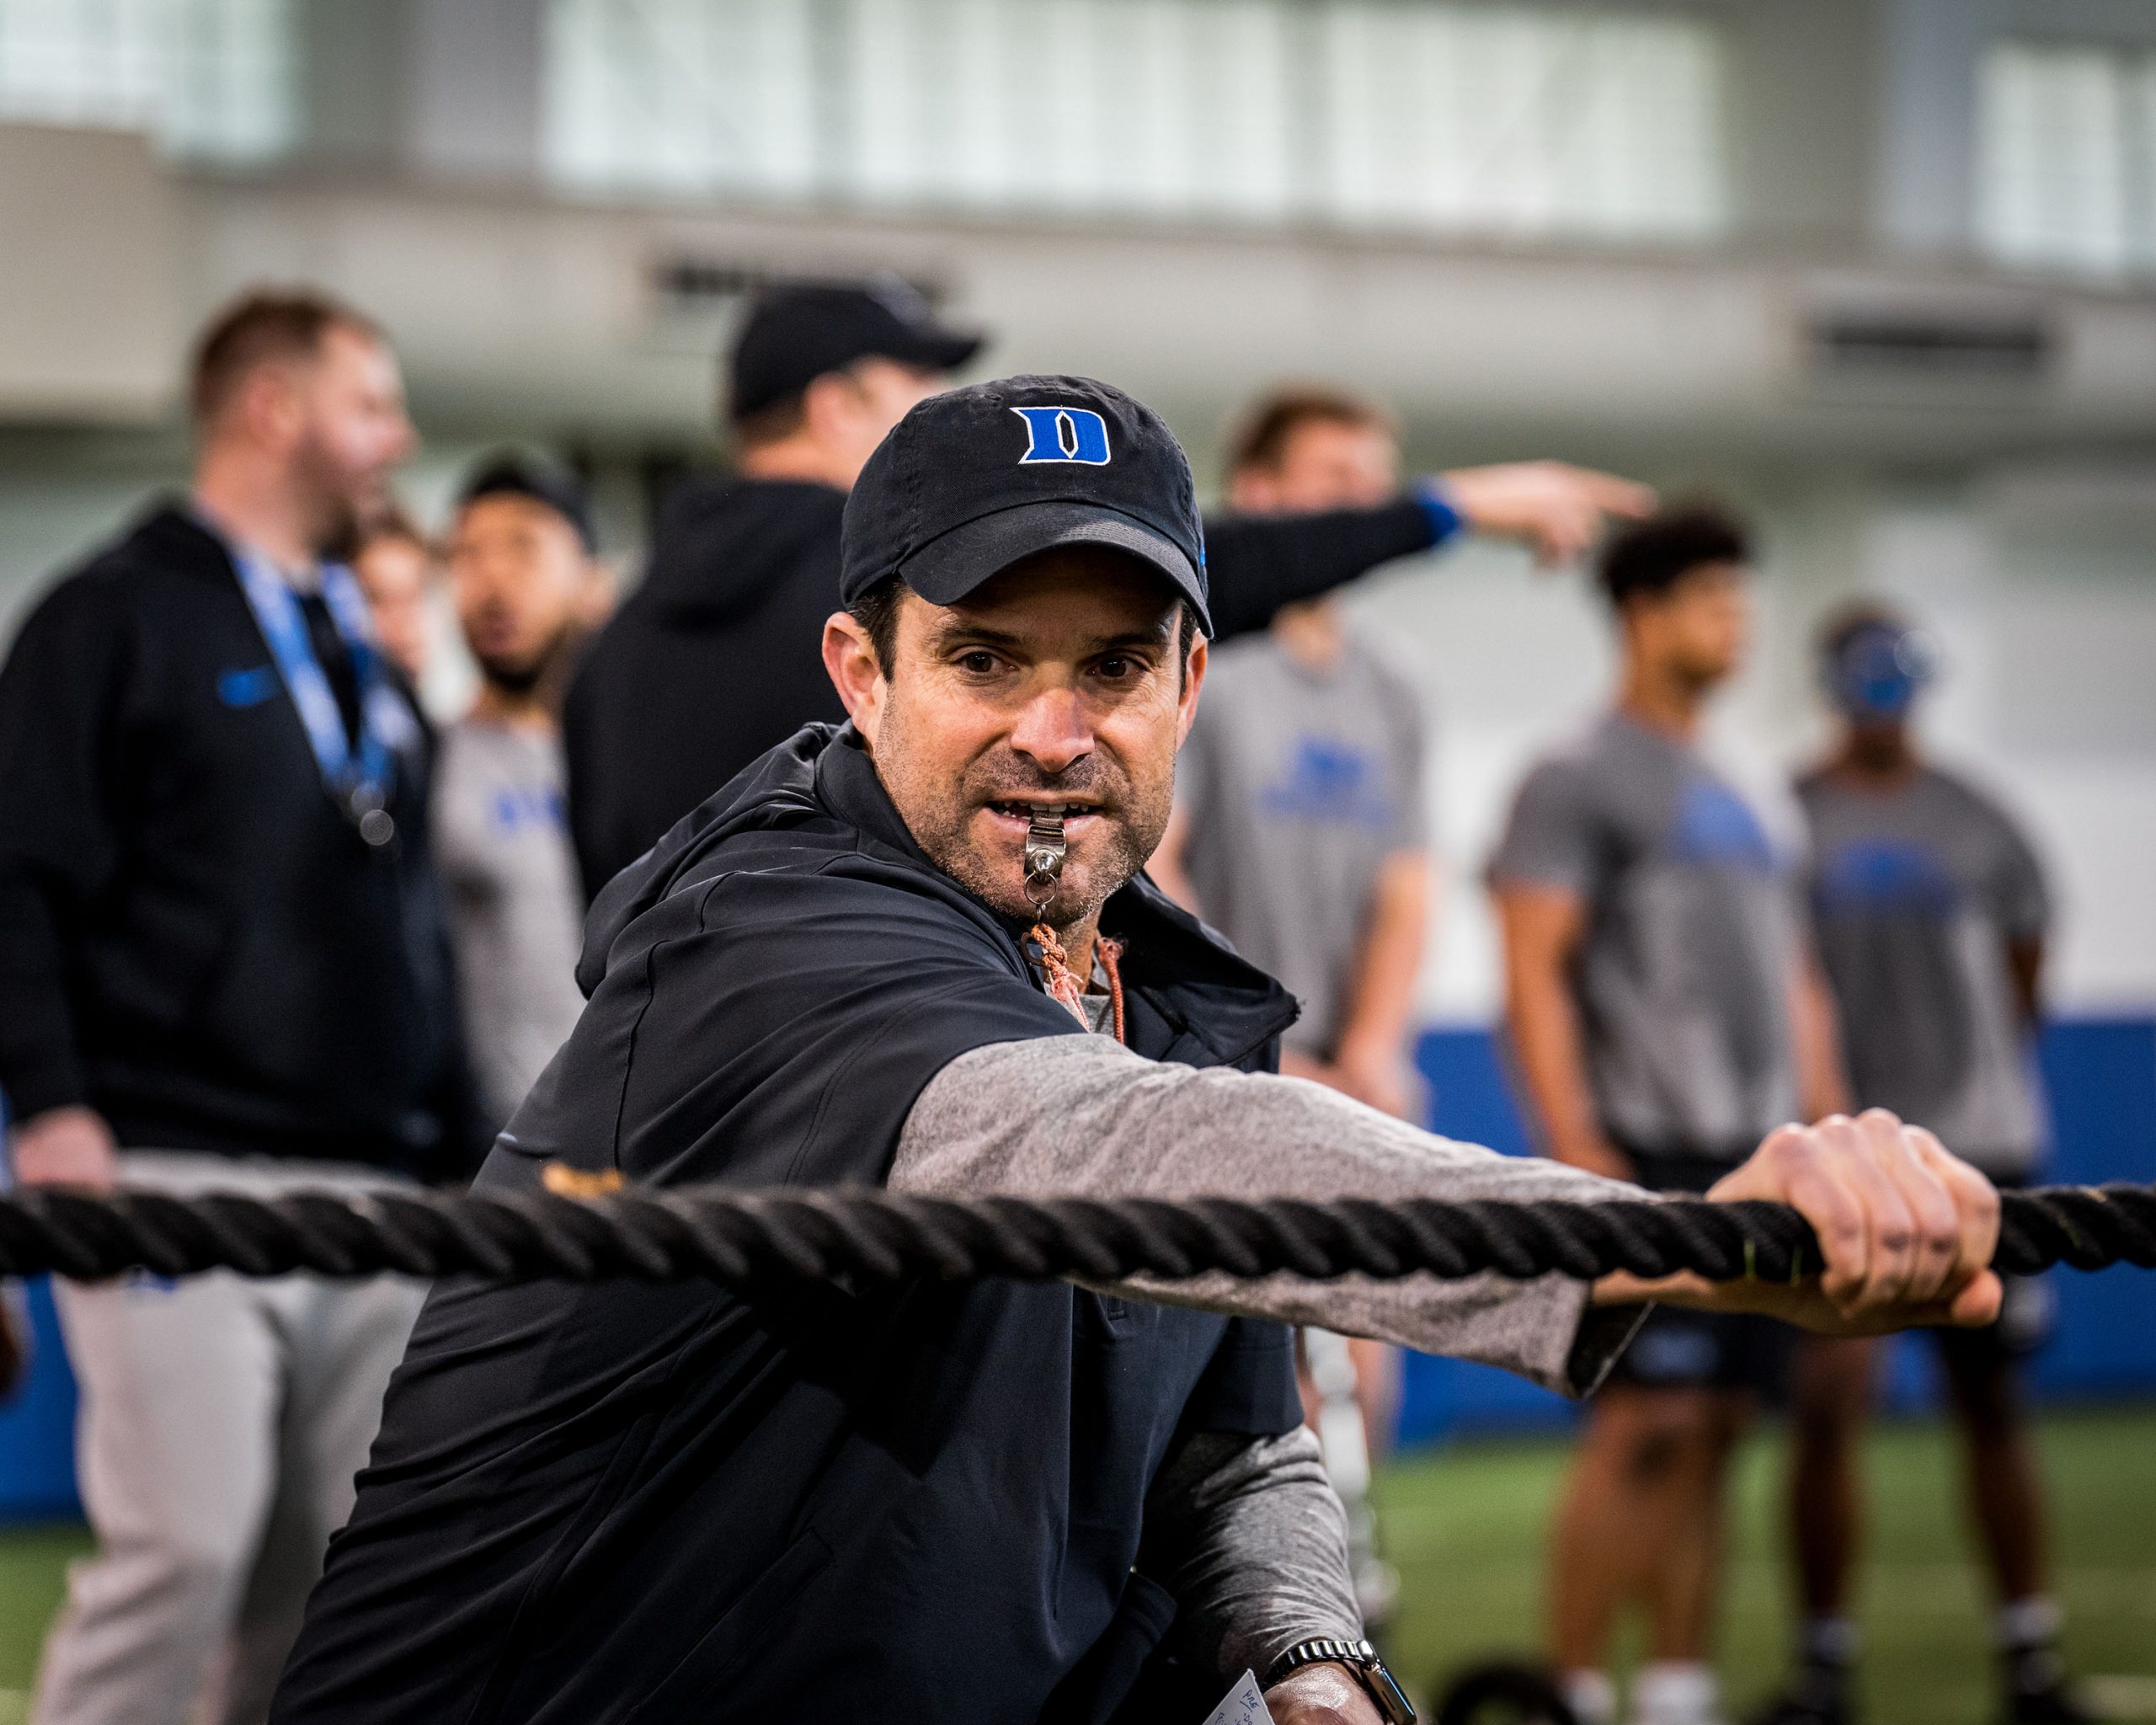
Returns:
(1044,852)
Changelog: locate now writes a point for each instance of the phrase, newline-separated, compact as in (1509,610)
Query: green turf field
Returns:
(1464,1526)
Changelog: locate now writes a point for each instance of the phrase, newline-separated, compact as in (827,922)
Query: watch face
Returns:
(1392,1700)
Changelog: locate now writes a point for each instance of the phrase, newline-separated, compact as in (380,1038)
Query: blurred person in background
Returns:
(1300,833)
(712,659)
(522,568)
(715,657)
(395,567)
(1661,1014)
(223,965)
(1929,911)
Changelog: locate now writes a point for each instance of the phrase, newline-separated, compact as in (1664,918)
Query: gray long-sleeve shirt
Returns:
(1248,1534)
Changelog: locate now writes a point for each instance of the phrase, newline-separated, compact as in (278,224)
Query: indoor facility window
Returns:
(682,95)
(1513,119)
(2068,163)
(210,79)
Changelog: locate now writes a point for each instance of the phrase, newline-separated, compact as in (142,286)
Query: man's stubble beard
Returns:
(1132,833)
(343,507)
(1000,885)
(519,680)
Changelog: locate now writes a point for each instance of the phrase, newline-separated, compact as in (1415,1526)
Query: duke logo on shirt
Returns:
(1056,434)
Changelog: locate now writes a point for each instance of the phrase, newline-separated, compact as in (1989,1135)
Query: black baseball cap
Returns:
(796,332)
(512,475)
(972,480)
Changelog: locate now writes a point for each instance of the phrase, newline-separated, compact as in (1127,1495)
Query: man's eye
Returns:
(1117,666)
(977,664)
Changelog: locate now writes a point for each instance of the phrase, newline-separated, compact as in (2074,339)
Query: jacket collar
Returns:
(175,538)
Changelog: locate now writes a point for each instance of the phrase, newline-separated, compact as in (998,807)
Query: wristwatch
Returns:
(1360,1657)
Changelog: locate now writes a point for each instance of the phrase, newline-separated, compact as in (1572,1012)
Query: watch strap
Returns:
(1360,1657)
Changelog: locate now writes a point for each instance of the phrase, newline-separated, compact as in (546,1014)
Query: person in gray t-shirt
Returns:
(1662,1017)
(521,569)
(1681,971)
(1307,840)
(1300,833)
(1929,911)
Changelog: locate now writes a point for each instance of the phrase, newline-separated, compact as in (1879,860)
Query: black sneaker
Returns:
(2036,1690)
(1817,1694)
(2053,1705)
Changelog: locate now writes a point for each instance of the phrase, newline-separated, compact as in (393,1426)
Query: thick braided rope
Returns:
(865,1236)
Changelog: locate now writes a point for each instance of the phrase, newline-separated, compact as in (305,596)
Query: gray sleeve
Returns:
(1248,1534)
(1196,769)
(2024,898)
(1083,1116)
(1409,723)
(1549,839)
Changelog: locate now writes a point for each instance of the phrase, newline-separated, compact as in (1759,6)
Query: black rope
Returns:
(862,1235)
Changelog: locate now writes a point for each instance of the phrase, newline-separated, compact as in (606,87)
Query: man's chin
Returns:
(999,883)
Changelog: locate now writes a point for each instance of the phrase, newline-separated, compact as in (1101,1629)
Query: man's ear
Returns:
(268,405)
(850,657)
(830,406)
(1193,675)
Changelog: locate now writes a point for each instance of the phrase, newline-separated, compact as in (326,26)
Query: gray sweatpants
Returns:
(222,1420)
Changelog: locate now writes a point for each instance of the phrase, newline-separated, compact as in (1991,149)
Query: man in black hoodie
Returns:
(223,964)
(714,659)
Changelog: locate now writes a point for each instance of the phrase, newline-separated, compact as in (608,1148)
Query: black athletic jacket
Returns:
(193,938)
(718,656)
(663,1504)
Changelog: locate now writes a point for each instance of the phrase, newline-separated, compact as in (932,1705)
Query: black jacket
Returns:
(193,938)
(666,1504)
(719,655)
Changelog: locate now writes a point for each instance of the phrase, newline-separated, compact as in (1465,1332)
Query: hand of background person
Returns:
(1383,1080)
(1386,1084)
(14,1347)
(1598,1155)
(1557,509)
(1322,1694)
(1907,1229)
(66,1146)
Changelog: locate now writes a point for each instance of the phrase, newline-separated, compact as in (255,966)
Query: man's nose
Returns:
(1052,731)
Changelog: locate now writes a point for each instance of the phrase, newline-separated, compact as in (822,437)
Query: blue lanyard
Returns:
(360,781)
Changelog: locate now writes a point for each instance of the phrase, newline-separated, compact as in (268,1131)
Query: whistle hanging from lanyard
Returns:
(1045,849)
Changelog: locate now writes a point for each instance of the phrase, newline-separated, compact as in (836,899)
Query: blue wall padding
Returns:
(2101,1073)
(37,1426)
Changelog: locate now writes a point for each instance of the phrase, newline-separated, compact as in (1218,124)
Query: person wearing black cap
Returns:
(523,576)
(714,659)
(917,949)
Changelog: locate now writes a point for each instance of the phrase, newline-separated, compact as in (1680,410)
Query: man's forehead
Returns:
(1102,595)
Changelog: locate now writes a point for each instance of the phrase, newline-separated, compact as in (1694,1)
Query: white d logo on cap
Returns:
(1065,434)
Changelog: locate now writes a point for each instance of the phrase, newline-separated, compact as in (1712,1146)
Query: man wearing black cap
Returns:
(523,574)
(917,949)
(714,659)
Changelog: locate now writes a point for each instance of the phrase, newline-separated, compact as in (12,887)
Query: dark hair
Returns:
(1262,436)
(772,423)
(512,474)
(393,527)
(877,612)
(1656,554)
(1845,620)
(262,328)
